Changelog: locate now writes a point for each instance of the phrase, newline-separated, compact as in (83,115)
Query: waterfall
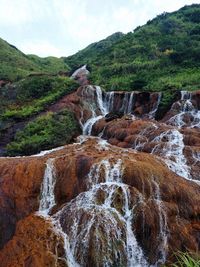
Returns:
(171,147)
(97,106)
(87,127)
(47,200)
(130,103)
(163,235)
(155,107)
(139,144)
(185,95)
(188,115)
(100,103)
(125,103)
(109,101)
(78,71)
(107,229)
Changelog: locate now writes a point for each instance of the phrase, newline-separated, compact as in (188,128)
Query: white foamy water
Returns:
(171,149)
(188,115)
(152,113)
(47,200)
(98,109)
(163,235)
(101,106)
(109,101)
(80,70)
(107,226)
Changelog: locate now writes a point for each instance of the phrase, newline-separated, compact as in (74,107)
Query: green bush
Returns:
(166,48)
(45,132)
(47,89)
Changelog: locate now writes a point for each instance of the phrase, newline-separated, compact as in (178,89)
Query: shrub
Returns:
(45,132)
(50,89)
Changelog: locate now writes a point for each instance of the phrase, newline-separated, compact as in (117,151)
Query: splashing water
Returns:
(100,107)
(100,102)
(99,221)
(171,147)
(152,113)
(47,200)
(109,101)
(127,103)
(163,236)
(130,103)
(188,115)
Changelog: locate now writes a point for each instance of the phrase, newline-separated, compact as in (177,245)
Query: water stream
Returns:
(107,233)
(97,225)
(188,115)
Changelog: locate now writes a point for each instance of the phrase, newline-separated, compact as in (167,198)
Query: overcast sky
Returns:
(62,27)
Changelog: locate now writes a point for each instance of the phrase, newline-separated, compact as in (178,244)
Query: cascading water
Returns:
(139,144)
(104,106)
(98,109)
(47,200)
(188,115)
(171,148)
(130,103)
(155,107)
(127,103)
(163,235)
(99,221)
(109,101)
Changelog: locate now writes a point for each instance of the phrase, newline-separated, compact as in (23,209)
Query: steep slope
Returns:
(93,51)
(16,65)
(162,55)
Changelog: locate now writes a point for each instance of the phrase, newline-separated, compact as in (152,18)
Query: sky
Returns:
(63,27)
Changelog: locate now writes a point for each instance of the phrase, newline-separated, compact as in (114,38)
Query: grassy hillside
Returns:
(47,131)
(163,55)
(16,65)
(23,102)
(93,51)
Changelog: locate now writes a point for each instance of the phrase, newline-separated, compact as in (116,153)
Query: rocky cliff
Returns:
(128,197)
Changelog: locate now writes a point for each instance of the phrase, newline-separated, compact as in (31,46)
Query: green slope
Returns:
(163,55)
(15,65)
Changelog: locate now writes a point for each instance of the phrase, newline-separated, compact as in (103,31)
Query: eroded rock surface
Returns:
(111,205)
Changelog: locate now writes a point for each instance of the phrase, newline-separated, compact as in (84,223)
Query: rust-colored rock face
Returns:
(176,139)
(107,204)
(130,197)
(20,181)
(85,103)
(35,244)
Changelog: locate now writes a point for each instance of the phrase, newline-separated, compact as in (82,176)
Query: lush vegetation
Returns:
(26,99)
(32,95)
(162,55)
(45,132)
(15,65)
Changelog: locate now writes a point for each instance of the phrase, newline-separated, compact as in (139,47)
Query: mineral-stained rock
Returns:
(20,180)
(35,244)
(165,207)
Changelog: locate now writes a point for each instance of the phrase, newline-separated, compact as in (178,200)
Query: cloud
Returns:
(62,27)
(43,48)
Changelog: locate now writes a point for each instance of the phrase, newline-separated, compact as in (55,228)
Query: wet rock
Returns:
(164,206)
(35,244)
